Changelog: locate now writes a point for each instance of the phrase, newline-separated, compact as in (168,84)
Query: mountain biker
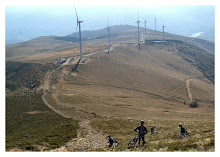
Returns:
(110,141)
(182,131)
(152,129)
(142,132)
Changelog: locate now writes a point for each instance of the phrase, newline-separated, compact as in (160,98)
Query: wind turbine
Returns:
(138,33)
(155,22)
(145,28)
(108,36)
(80,40)
(163,31)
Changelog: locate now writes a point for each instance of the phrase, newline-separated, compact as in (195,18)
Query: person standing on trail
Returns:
(110,141)
(142,130)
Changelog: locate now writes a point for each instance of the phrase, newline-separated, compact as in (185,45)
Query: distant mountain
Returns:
(13,41)
(125,30)
(119,33)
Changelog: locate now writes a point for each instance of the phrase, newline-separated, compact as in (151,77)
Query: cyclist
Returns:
(142,132)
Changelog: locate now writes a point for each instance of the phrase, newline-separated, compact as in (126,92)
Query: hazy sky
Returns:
(33,21)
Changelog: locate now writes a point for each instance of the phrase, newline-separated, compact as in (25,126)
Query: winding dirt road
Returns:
(87,138)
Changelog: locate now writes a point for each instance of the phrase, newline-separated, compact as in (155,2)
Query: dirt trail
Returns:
(188,90)
(52,108)
(87,138)
(113,46)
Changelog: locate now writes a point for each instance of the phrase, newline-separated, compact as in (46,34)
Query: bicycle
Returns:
(183,135)
(134,140)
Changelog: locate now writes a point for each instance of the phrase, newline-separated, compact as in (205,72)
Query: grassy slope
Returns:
(36,46)
(166,139)
(127,86)
(18,73)
(123,33)
(43,129)
(194,55)
(125,99)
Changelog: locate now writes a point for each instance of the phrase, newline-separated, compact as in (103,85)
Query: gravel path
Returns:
(87,139)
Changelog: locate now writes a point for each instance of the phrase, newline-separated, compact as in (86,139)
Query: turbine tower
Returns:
(80,40)
(163,31)
(155,22)
(108,36)
(138,33)
(145,29)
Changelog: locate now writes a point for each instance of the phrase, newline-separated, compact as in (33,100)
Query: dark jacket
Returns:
(110,140)
(142,130)
(183,131)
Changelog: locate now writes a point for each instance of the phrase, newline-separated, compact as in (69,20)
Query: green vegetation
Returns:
(42,129)
(167,139)
(18,73)
(12,87)
(193,104)
(203,60)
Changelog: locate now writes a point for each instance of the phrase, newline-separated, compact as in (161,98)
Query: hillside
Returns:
(120,33)
(128,85)
(126,30)
(111,93)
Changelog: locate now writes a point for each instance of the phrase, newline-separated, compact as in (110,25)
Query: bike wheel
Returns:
(132,142)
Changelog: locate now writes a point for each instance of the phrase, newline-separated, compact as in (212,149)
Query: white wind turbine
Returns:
(145,30)
(80,40)
(108,36)
(163,31)
(138,33)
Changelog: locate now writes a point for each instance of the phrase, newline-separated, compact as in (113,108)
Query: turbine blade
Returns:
(77,19)
(76,13)
(77,26)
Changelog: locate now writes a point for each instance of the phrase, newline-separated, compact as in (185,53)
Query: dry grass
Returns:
(166,139)
(115,91)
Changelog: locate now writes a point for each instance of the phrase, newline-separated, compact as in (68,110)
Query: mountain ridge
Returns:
(118,31)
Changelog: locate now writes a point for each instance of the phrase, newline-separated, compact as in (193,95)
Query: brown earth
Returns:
(151,84)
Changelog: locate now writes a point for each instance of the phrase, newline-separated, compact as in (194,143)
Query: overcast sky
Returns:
(31,21)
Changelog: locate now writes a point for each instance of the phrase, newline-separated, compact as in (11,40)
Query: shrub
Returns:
(193,104)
